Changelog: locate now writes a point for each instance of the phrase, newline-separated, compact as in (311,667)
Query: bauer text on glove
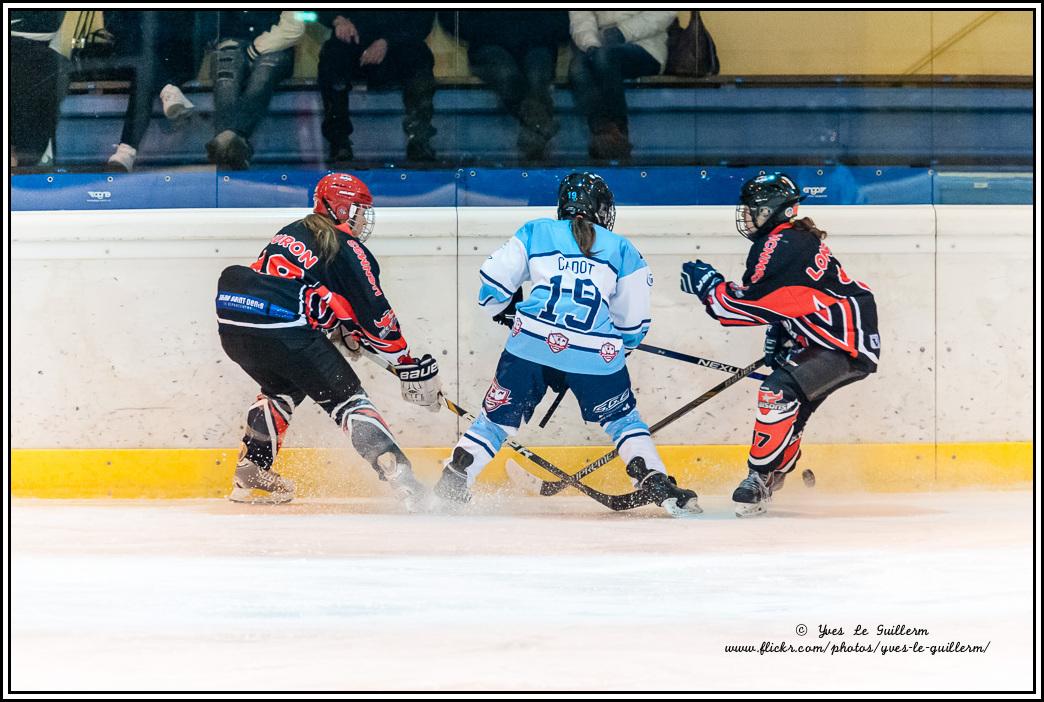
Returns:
(420,382)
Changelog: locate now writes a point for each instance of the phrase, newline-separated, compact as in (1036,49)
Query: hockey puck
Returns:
(809,477)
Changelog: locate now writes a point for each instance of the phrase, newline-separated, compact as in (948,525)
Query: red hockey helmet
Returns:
(346,200)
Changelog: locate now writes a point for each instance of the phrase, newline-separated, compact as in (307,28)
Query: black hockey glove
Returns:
(507,315)
(778,345)
(699,279)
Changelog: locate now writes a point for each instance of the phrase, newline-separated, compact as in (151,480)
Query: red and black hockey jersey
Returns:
(792,277)
(290,286)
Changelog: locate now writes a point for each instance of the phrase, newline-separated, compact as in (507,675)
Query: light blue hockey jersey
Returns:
(582,313)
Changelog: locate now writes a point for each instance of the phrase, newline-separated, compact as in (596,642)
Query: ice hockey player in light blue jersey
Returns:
(588,307)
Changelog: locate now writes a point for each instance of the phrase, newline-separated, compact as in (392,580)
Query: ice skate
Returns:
(255,485)
(453,485)
(677,502)
(754,493)
(404,484)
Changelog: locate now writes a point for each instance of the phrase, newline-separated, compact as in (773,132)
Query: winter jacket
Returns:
(646,29)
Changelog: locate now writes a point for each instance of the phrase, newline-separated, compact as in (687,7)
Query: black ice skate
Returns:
(255,485)
(453,485)
(754,493)
(678,502)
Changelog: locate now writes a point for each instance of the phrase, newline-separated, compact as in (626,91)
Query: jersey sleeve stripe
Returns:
(496,284)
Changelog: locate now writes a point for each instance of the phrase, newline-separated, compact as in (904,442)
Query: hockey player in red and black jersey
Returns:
(822,325)
(316,279)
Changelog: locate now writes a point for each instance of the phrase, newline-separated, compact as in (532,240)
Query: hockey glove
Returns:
(507,315)
(699,279)
(420,382)
(778,345)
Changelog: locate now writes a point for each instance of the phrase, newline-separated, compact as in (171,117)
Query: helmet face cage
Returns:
(588,195)
(765,202)
(361,230)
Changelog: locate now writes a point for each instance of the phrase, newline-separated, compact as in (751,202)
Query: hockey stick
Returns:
(704,362)
(807,475)
(617,503)
(553,407)
(549,487)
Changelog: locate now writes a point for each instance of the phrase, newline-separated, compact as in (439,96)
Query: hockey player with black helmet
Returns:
(313,279)
(588,307)
(822,325)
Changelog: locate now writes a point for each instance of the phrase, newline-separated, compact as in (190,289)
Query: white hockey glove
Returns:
(420,382)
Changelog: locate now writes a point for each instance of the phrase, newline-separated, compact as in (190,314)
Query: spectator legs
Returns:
(415,66)
(536,115)
(227,73)
(267,72)
(336,63)
(411,65)
(241,95)
(38,81)
(523,84)
(597,79)
(497,68)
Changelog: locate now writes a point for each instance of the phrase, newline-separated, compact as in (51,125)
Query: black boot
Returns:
(342,153)
(664,489)
(418,99)
(229,150)
(537,126)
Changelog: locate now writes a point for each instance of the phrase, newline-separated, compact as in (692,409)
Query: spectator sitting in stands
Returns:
(161,43)
(515,53)
(610,47)
(39,77)
(254,52)
(383,48)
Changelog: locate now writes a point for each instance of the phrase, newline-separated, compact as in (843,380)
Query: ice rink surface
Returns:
(521,593)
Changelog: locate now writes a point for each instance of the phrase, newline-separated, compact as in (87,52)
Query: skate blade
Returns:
(416,503)
(744,509)
(522,478)
(251,496)
(690,510)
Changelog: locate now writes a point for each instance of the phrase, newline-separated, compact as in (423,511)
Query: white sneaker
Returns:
(176,106)
(124,157)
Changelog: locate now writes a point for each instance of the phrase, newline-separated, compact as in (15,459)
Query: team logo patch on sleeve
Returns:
(557,342)
(496,397)
(608,352)
(387,324)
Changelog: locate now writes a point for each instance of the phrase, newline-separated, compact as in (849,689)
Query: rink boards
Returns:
(119,385)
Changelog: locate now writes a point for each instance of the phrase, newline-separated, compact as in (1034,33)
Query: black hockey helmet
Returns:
(586,194)
(766,202)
